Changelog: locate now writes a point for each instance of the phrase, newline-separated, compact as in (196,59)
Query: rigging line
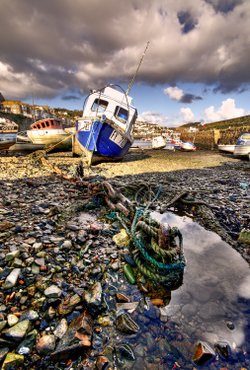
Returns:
(137,69)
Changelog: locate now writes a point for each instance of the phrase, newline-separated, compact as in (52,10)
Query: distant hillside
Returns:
(22,121)
(233,122)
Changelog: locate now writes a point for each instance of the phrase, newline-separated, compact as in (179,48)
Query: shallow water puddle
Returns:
(212,304)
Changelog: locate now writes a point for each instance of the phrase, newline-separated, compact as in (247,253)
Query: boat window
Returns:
(47,123)
(43,124)
(99,105)
(121,114)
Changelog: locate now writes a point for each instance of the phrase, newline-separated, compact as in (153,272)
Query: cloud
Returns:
(227,110)
(70,97)
(187,114)
(66,45)
(153,117)
(176,93)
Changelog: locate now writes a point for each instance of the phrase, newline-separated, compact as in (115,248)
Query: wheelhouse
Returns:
(111,104)
(47,124)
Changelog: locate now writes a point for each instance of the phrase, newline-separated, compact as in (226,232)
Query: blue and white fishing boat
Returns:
(104,132)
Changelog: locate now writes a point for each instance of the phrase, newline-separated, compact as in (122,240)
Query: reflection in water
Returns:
(213,300)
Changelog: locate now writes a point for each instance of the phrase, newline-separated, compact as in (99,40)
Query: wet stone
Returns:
(53,292)
(46,344)
(11,279)
(18,331)
(13,361)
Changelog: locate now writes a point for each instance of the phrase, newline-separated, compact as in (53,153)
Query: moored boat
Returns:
(229,148)
(188,147)
(158,142)
(242,147)
(49,131)
(8,132)
(104,132)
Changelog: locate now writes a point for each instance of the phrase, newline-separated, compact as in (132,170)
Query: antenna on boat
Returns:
(137,69)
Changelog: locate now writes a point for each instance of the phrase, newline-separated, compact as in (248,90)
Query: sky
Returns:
(196,67)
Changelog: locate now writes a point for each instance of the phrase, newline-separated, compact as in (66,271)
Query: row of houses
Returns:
(35,112)
(18,107)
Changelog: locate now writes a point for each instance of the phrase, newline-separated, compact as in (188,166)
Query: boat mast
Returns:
(137,69)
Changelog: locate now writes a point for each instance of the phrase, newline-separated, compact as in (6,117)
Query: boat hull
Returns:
(50,137)
(101,141)
(188,147)
(226,148)
(25,147)
(242,150)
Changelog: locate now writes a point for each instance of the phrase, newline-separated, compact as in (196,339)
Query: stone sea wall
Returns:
(208,139)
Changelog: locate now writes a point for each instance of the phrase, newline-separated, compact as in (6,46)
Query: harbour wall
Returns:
(208,139)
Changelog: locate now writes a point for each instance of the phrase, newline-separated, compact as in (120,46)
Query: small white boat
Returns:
(188,147)
(242,147)
(158,142)
(8,132)
(49,131)
(229,148)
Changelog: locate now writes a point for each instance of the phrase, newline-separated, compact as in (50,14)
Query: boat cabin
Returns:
(111,104)
(46,124)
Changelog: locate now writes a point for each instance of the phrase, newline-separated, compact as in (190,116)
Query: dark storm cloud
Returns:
(70,97)
(186,21)
(189,98)
(54,47)
(224,6)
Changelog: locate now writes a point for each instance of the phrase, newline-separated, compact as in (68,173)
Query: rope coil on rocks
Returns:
(153,248)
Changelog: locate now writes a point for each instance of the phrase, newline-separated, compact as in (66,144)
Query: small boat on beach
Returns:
(8,132)
(48,132)
(229,148)
(158,142)
(242,147)
(104,132)
(23,144)
(188,147)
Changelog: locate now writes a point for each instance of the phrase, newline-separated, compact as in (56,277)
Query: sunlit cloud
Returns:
(227,110)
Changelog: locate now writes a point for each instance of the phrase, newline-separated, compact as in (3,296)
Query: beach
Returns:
(59,259)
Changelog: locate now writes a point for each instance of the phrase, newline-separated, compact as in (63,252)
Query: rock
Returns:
(203,353)
(18,331)
(5,225)
(61,328)
(13,361)
(122,239)
(93,297)
(76,339)
(126,324)
(10,256)
(53,292)
(244,236)
(46,344)
(68,305)
(102,363)
(28,343)
(67,244)
(11,279)
(3,353)
(30,315)
(12,319)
